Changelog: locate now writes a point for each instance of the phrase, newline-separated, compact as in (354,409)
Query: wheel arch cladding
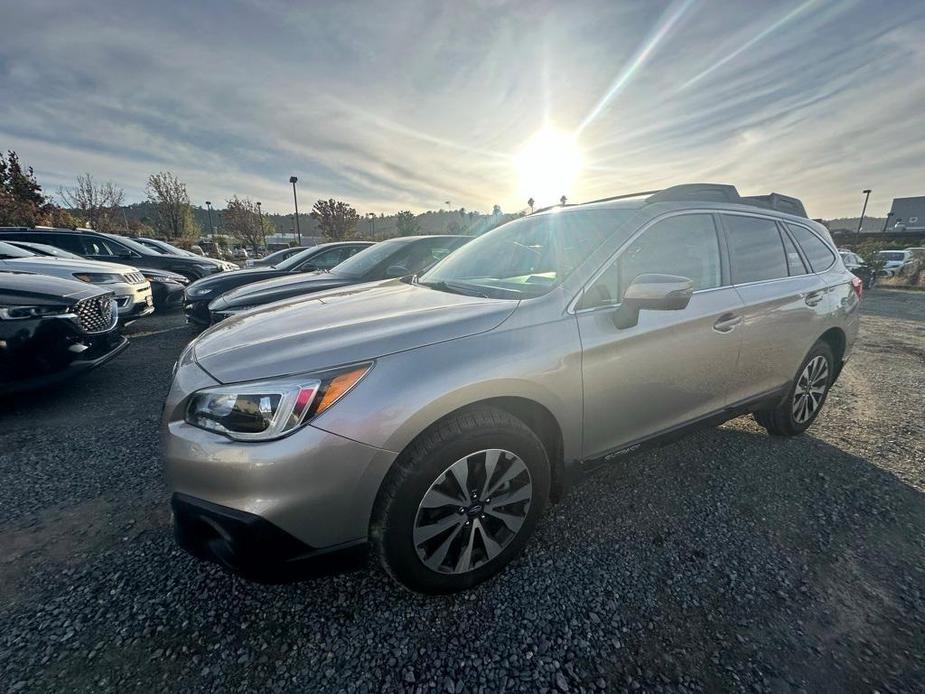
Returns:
(837,341)
(535,416)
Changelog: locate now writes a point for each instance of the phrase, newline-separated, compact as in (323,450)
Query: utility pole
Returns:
(886,222)
(295,198)
(211,228)
(863,209)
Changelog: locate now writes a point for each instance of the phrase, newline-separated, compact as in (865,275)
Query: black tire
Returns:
(422,465)
(781,421)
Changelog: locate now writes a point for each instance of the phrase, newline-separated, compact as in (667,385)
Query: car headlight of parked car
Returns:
(265,410)
(10,312)
(157,277)
(99,277)
(195,291)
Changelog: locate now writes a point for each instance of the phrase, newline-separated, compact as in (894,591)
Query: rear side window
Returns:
(755,248)
(69,242)
(794,262)
(817,251)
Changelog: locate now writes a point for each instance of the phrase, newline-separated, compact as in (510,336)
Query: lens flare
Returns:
(548,166)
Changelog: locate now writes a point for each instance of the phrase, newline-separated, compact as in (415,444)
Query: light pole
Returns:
(863,209)
(263,232)
(211,228)
(372,225)
(295,198)
(886,222)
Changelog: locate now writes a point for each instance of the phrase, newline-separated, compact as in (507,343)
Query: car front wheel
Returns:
(462,502)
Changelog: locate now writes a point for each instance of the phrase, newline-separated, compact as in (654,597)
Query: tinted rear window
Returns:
(817,251)
(755,249)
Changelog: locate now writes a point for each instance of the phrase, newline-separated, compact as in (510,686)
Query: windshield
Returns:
(366,260)
(161,245)
(527,257)
(294,260)
(892,255)
(134,245)
(8,250)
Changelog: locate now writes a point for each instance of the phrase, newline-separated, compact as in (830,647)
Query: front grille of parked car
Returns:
(134,278)
(96,314)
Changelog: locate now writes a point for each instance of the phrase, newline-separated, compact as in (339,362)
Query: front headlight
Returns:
(267,410)
(155,277)
(98,277)
(198,291)
(24,312)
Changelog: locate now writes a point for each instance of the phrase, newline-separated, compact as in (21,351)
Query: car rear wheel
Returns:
(807,395)
(462,502)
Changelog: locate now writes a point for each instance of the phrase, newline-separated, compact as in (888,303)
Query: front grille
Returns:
(134,278)
(96,314)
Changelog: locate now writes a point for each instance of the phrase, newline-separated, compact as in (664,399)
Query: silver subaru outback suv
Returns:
(433,418)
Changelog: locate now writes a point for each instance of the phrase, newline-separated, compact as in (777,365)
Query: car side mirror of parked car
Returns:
(394,271)
(653,293)
(309,267)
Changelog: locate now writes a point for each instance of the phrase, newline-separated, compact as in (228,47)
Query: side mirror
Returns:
(394,271)
(653,293)
(310,267)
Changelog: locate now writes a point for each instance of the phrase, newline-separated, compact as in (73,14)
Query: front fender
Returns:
(407,392)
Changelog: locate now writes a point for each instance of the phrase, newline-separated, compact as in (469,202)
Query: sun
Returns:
(548,166)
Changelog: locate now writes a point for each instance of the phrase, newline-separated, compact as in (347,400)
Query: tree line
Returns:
(169,213)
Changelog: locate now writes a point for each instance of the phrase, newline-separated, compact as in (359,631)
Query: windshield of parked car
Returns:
(134,245)
(527,257)
(367,260)
(8,250)
(892,255)
(295,259)
(173,249)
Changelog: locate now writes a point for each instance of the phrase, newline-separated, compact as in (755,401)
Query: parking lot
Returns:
(729,560)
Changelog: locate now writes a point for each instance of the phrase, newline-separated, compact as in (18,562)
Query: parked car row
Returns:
(322,267)
(64,294)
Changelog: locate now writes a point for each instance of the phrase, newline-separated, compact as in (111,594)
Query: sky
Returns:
(413,104)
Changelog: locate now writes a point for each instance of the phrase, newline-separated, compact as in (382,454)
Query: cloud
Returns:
(409,103)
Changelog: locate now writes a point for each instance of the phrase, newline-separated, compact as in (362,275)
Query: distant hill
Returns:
(871,224)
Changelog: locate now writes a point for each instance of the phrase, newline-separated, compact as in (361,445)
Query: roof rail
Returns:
(707,192)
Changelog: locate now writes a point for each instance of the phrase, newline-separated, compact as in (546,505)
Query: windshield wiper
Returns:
(454,288)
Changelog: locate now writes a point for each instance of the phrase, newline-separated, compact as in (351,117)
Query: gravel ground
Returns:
(726,561)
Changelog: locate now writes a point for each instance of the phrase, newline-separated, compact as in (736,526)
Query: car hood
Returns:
(64,266)
(340,327)
(224,281)
(23,288)
(289,285)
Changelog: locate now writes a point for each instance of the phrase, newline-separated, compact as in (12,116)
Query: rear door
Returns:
(784,303)
(673,367)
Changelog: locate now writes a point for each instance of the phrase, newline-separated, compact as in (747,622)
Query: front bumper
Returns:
(251,546)
(314,485)
(197,311)
(48,358)
(167,295)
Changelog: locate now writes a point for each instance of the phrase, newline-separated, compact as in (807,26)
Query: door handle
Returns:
(727,322)
(813,298)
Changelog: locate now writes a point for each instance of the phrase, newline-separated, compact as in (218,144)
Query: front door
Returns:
(673,367)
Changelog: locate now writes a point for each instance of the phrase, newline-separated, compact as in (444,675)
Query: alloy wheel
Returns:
(810,389)
(473,510)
